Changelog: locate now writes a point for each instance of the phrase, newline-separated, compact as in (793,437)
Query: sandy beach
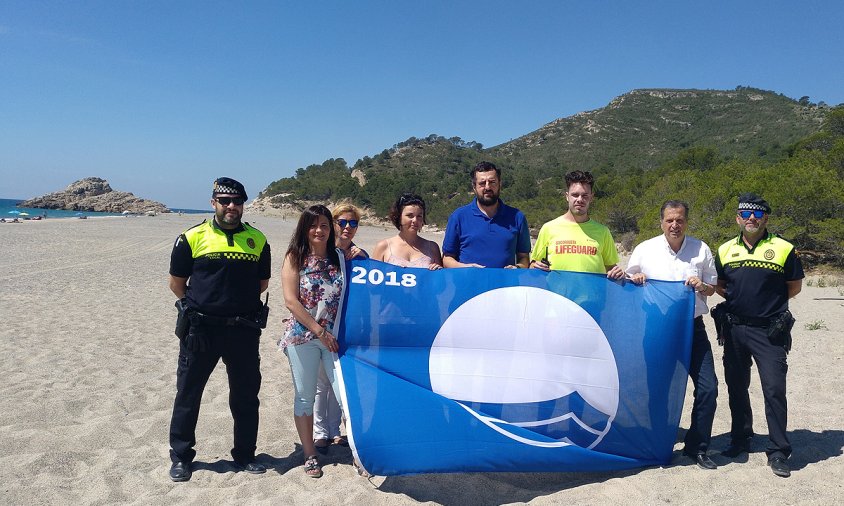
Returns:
(89,360)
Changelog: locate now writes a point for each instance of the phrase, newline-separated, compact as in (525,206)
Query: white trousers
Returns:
(327,412)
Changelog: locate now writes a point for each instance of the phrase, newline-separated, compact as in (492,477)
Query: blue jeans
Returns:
(305,360)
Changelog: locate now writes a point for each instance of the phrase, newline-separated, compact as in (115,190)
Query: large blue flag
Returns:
(510,370)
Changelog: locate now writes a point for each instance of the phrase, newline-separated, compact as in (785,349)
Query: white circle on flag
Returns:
(523,345)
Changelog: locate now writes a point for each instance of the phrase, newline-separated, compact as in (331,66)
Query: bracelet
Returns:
(322,333)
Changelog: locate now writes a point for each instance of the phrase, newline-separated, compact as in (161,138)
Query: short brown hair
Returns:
(485,167)
(582,177)
(674,204)
(404,200)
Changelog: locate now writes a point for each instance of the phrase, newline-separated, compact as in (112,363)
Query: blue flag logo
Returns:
(561,381)
(510,370)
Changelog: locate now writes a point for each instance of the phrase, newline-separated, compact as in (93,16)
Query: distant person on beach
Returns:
(758,272)
(327,413)
(574,242)
(675,256)
(486,232)
(408,249)
(312,282)
(218,270)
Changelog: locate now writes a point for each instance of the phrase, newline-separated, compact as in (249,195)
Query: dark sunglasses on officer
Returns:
(745,215)
(225,201)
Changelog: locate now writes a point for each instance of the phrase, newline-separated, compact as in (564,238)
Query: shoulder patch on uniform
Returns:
(251,243)
(769,254)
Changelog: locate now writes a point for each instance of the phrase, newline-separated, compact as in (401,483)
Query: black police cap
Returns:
(228,186)
(753,202)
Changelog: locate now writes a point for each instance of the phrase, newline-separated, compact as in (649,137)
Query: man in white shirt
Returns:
(673,256)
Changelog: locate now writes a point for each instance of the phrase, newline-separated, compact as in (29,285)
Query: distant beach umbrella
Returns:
(24,214)
(14,211)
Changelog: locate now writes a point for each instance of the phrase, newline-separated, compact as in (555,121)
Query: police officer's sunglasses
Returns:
(224,201)
(342,222)
(745,215)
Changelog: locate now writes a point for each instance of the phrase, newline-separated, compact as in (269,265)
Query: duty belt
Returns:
(227,321)
(216,320)
(257,320)
(751,321)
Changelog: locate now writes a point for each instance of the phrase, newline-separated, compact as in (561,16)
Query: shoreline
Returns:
(368,227)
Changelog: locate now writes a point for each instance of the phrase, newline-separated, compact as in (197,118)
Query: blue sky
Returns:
(161,97)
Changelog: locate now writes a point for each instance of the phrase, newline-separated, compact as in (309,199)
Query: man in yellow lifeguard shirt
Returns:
(573,242)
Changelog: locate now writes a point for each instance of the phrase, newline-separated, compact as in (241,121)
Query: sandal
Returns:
(312,467)
(340,441)
(322,443)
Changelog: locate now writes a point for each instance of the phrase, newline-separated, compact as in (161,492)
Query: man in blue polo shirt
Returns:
(486,232)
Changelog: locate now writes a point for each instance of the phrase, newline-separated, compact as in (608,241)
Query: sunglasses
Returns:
(224,201)
(409,199)
(745,215)
(343,222)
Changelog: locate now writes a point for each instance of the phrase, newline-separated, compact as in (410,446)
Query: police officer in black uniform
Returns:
(758,272)
(218,269)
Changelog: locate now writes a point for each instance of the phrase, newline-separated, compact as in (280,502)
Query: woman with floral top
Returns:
(312,283)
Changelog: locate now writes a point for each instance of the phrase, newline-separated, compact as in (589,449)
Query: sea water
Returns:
(9,210)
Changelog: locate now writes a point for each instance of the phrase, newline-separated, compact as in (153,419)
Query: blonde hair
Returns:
(345,206)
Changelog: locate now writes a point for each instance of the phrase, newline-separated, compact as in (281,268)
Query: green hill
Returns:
(645,139)
(644,128)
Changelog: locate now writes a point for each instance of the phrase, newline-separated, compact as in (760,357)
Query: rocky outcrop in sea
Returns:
(95,194)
